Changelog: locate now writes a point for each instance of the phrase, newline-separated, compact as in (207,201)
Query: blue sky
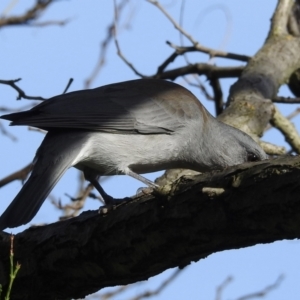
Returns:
(45,58)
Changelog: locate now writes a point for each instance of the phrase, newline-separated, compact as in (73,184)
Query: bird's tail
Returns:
(49,167)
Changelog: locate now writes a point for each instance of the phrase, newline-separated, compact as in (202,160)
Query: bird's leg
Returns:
(93,178)
(153,187)
(141,178)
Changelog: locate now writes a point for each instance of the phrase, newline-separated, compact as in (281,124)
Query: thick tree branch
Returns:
(149,235)
(249,108)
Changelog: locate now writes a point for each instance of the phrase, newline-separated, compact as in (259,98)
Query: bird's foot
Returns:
(111,204)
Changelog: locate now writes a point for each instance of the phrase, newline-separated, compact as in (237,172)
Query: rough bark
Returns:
(245,205)
(249,104)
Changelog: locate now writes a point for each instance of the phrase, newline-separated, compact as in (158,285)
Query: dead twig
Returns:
(222,286)
(22,94)
(119,52)
(265,291)
(104,46)
(30,16)
(202,69)
(164,284)
(196,45)
(287,100)
(218,94)
(287,128)
(6,133)
(199,85)
(18,175)
(68,85)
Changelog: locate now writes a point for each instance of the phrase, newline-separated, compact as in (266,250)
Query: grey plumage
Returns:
(132,127)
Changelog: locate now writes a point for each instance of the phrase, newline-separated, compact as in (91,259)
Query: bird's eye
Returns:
(252,157)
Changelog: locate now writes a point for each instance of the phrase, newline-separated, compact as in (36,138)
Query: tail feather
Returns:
(32,195)
(53,158)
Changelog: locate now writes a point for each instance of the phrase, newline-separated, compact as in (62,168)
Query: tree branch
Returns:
(31,15)
(142,238)
(201,69)
(18,175)
(22,94)
(287,128)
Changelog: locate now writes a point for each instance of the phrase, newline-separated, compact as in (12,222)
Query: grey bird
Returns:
(131,128)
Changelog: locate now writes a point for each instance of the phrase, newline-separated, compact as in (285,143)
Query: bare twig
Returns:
(218,94)
(287,128)
(19,175)
(30,16)
(68,85)
(265,291)
(222,286)
(272,149)
(119,52)
(202,69)
(196,45)
(72,209)
(175,24)
(22,94)
(165,283)
(199,85)
(183,50)
(6,133)
(110,295)
(104,46)
(211,52)
(292,115)
(288,100)
(49,23)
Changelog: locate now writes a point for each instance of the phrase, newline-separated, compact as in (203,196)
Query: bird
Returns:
(131,128)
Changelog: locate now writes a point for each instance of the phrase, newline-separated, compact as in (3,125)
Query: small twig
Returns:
(110,295)
(288,100)
(37,130)
(287,128)
(104,46)
(175,24)
(6,133)
(292,115)
(164,284)
(29,16)
(22,94)
(202,69)
(164,65)
(222,287)
(211,52)
(119,52)
(196,45)
(68,85)
(198,85)
(19,175)
(218,94)
(49,23)
(265,291)
(272,149)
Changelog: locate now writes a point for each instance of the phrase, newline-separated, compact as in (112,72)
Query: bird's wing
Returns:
(137,106)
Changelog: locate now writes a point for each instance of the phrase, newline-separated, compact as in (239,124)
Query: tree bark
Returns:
(239,207)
